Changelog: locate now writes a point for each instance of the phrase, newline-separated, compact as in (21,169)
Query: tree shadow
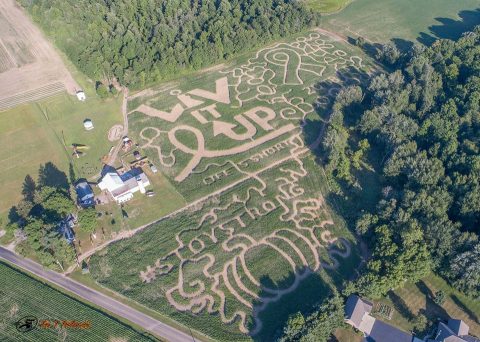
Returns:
(464,308)
(28,188)
(402,44)
(400,305)
(451,28)
(349,207)
(71,173)
(327,90)
(50,175)
(370,48)
(13,215)
(311,291)
(107,169)
(433,311)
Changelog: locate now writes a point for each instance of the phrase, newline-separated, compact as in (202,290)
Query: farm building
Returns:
(88,124)
(85,196)
(122,187)
(81,95)
(357,314)
(455,330)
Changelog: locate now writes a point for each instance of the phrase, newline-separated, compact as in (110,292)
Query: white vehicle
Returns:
(153,168)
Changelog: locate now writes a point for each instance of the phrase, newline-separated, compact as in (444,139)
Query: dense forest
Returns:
(418,130)
(141,41)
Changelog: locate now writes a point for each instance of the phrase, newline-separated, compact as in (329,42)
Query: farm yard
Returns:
(33,298)
(405,21)
(38,133)
(257,240)
(30,67)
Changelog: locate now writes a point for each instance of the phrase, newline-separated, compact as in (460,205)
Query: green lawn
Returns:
(21,295)
(412,299)
(411,20)
(327,6)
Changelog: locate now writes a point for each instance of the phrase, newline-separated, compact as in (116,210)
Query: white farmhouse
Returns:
(122,187)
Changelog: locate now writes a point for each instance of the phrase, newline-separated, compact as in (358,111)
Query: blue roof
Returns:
(85,194)
(383,332)
(66,231)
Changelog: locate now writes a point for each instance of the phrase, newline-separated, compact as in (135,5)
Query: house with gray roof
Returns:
(455,330)
(357,314)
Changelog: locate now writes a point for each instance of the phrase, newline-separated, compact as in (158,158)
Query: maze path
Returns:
(212,290)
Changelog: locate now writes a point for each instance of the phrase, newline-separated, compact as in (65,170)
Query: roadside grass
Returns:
(24,295)
(327,6)
(406,20)
(87,280)
(412,299)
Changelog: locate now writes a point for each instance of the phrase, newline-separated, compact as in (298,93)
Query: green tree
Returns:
(294,327)
(439,297)
(87,220)
(419,323)
(465,271)
(319,325)
(102,90)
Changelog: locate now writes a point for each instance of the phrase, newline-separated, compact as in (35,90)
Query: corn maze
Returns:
(234,143)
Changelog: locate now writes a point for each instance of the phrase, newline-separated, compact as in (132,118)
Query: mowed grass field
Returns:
(412,299)
(411,20)
(41,132)
(327,6)
(21,295)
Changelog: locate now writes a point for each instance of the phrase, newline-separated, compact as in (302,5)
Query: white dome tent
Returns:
(88,124)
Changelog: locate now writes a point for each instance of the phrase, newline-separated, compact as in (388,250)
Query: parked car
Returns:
(137,155)
(150,193)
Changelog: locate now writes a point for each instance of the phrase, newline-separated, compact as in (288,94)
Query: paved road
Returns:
(146,322)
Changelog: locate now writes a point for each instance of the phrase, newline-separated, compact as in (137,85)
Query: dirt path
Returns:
(334,35)
(113,156)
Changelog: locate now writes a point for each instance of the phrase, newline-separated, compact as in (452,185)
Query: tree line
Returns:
(142,41)
(417,129)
